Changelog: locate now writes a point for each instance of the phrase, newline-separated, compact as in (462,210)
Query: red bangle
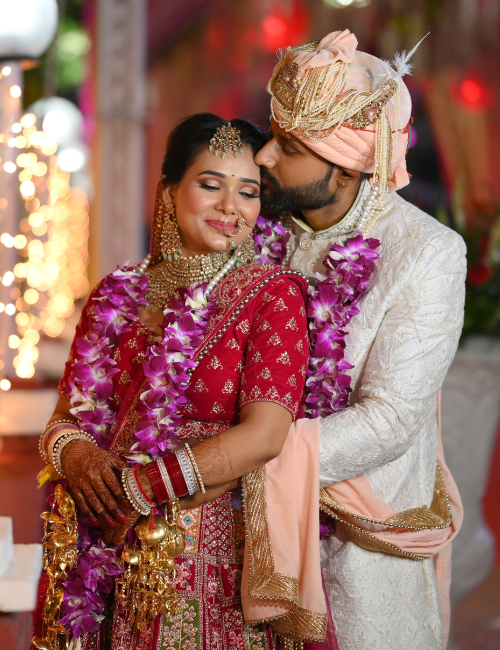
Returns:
(176,475)
(136,476)
(157,483)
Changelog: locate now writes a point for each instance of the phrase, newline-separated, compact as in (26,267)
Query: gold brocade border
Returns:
(263,583)
(438,516)
(312,625)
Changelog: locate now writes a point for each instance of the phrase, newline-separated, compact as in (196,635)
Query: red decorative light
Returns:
(474,95)
(281,28)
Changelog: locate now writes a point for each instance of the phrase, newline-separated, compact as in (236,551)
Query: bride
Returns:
(185,374)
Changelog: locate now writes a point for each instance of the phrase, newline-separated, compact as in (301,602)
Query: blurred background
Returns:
(89,90)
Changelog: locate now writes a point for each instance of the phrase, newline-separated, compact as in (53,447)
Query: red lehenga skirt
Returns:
(208,581)
(255,349)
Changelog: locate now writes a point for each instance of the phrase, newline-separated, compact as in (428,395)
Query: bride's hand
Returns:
(90,472)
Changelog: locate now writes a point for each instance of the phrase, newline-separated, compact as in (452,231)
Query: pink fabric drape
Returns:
(292,508)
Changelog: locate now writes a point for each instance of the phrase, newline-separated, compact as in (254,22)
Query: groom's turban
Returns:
(349,107)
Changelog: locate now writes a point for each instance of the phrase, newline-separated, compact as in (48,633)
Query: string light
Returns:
(53,243)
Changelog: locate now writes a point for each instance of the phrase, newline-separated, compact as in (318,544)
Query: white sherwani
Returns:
(401,345)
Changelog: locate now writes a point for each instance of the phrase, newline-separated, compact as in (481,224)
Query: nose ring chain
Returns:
(232,235)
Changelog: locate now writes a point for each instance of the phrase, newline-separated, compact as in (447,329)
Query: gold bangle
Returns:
(195,467)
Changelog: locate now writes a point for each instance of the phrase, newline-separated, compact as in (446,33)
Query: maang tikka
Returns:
(226,138)
(170,243)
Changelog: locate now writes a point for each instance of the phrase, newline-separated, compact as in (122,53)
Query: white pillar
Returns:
(10,113)
(117,217)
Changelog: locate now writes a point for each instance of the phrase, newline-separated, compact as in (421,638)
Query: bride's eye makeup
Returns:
(209,187)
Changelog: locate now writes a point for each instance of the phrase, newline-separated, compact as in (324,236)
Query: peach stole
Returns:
(281,580)
(281,573)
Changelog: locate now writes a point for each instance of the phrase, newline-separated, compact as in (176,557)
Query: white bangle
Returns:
(187,471)
(133,492)
(189,452)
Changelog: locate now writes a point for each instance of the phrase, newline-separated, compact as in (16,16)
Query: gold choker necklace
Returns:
(172,274)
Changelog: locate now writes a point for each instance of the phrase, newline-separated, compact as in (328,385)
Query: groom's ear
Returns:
(347,177)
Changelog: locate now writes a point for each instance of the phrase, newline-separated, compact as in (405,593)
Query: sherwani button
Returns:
(306,244)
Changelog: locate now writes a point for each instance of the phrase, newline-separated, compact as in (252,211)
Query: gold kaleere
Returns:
(59,554)
(147,585)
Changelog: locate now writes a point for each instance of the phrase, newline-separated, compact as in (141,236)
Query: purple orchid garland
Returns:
(165,369)
(333,302)
(270,240)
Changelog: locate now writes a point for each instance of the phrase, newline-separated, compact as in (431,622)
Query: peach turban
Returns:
(354,148)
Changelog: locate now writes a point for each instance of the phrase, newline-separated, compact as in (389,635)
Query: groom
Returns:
(320,165)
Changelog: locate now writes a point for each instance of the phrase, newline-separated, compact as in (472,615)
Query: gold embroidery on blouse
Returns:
(232,344)
(284,358)
(255,392)
(272,393)
(288,399)
(215,364)
(280,305)
(292,291)
(302,310)
(292,324)
(292,381)
(117,355)
(274,340)
(265,374)
(217,408)
(228,387)
(303,371)
(132,343)
(256,357)
(125,378)
(267,297)
(240,366)
(140,358)
(263,326)
(200,387)
(244,326)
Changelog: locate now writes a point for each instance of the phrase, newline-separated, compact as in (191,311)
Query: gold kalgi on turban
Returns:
(325,87)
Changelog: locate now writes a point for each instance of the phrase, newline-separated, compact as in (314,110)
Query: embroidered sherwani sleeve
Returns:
(406,365)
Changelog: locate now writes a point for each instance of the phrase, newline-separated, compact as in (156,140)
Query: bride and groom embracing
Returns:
(256,370)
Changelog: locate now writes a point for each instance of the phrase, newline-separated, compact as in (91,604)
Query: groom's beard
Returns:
(297,198)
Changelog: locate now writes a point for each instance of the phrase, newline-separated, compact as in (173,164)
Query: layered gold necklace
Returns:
(171,274)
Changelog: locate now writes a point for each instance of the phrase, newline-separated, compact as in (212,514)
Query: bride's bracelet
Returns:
(189,451)
(174,476)
(188,472)
(55,452)
(49,432)
(139,502)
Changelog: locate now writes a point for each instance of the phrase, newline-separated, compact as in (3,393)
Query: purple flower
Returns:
(332,305)
(270,240)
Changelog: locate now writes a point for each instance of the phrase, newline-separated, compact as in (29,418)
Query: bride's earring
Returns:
(170,243)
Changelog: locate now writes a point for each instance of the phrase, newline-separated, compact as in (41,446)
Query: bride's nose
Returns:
(227,204)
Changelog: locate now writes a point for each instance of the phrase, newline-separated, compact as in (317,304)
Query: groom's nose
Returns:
(266,156)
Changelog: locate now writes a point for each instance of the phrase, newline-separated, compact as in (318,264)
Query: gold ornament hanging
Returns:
(59,554)
(147,585)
